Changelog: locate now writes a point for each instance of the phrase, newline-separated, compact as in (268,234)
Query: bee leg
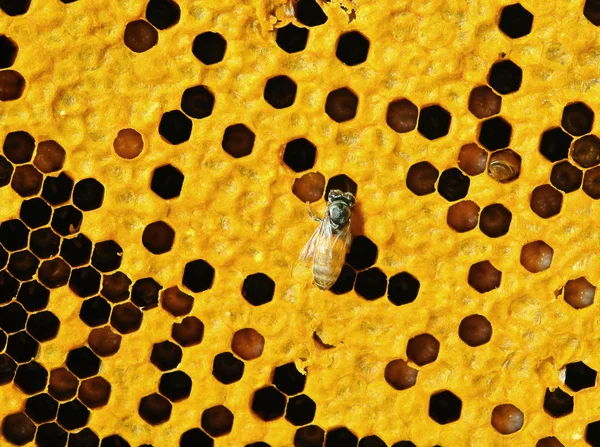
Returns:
(311,213)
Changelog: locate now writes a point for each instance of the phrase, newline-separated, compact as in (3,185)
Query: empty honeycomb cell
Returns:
(300,410)
(84,438)
(248,344)
(484,277)
(549,441)
(66,220)
(515,21)
(280,92)
(566,177)
(88,194)
(536,256)
(7,369)
(557,403)
(507,419)
(546,201)
(345,282)
(104,342)
(18,429)
(268,403)
(167,182)
(209,48)
(309,436)
(494,220)
(155,409)
(238,141)
(49,157)
(31,378)
(33,296)
(423,349)
(340,437)
(341,105)
(63,384)
(51,435)
(505,165)
(291,38)
(592,434)
(144,293)
(372,441)
(8,51)
(85,281)
(12,84)
(343,183)
(495,133)
(166,355)
(579,293)
(83,362)
(475,330)
(23,265)
(217,421)
(3,340)
(371,284)
(44,243)
(309,187)
(484,102)
(352,48)
(577,119)
(258,444)
(35,212)
(463,216)
(175,127)
(421,178)
(77,251)
(13,235)
(310,13)
(140,36)
(434,122)
(73,415)
(114,441)
(363,253)
(198,102)
(198,275)
(402,115)
(115,287)
(505,77)
(403,288)
(555,144)
(18,146)
(3,257)
(126,318)
(22,347)
(445,407)
(57,190)
(591,11)
(41,408)
(288,379)
(299,155)
(163,14)
(195,438)
(591,183)
(399,375)
(176,302)
(94,392)
(95,311)
(54,273)
(453,185)
(175,386)
(586,151)
(189,332)
(128,144)
(6,170)
(12,317)
(227,369)
(43,326)
(258,289)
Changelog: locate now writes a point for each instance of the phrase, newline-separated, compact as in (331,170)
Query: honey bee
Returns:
(330,242)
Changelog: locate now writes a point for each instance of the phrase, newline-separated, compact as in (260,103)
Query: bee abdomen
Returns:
(324,272)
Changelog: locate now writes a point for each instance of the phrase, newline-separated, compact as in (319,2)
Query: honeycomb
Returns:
(156,161)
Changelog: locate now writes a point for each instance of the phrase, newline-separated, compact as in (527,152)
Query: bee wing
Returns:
(320,238)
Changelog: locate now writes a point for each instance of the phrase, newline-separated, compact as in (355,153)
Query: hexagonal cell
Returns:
(189,332)
(73,415)
(8,51)
(557,403)
(198,102)
(403,288)
(309,187)
(114,441)
(505,77)
(94,392)
(484,277)
(83,362)
(43,326)
(77,251)
(592,433)
(484,102)
(198,275)
(7,369)
(217,421)
(18,146)
(140,36)
(566,177)
(107,256)
(238,140)
(31,378)
(176,302)
(128,144)
(12,84)
(505,166)
(166,355)
(402,115)
(555,143)
(352,48)
(345,282)
(309,13)
(591,183)
(515,21)
(227,369)
(463,216)
(363,253)
(18,429)
(371,284)
(51,435)
(33,296)
(67,220)
(577,119)
(445,407)
(475,330)
(536,256)
(167,182)
(41,408)
(453,185)
(372,441)
(44,243)
(57,190)
(248,344)
(507,419)
(495,133)
(3,257)
(23,265)
(144,293)
(258,289)
(421,178)
(22,347)
(175,385)
(340,437)
(586,151)
(195,438)
(495,220)
(579,293)
(209,48)
(280,92)
(63,384)
(546,201)
(549,441)
(434,122)
(343,183)
(6,168)
(291,38)
(12,317)
(104,342)
(309,436)
(299,155)
(175,127)
(163,14)
(14,235)
(288,379)
(268,403)
(591,11)
(155,409)
(300,410)
(49,157)
(95,311)
(341,105)
(423,349)
(84,438)
(54,273)
(88,194)
(85,281)
(35,212)
(399,375)
(126,318)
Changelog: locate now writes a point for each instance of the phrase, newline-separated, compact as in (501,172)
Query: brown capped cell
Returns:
(463,216)
(104,342)
(484,277)
(591,183)
(94,392)
(248,344)
(546,201)
(63,384)
(115,287)
(49,157)
(402,115)
(399,375)
(423,349)
(421,178)
(12,85)
(495,220)
(550,441)
(484,102)
(309,187)
(507,419)
(586,151)
(140,36)
(579,293)
(189,332)
(176,302)
(472,159)
(536,256)
(18,429)
(128,144)
(18,147)
(475,330)
(26,180)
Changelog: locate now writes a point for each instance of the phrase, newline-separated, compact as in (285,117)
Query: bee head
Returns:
(339,206)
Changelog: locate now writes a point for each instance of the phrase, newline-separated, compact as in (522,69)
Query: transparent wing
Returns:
(320,238)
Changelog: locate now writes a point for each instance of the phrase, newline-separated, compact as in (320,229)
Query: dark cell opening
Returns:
(209,48)
(371,284)
(403,288)
(31,378)
(566,177)
(309,13)
(7,369)
(84,438)
(309,436)
(505,77)
(549,441)
(198,102)
(114,441)
(14,7)
(23,265)
(341,105)
(268,403)
(189,332)
(444,407)
(352,48)
(421,178)
(50,156)
(577,119)
(592,434)
(167,182)
(175,385)
(107,256)
(288,379)
(195,438)
(12,317)
(463,216)
(475,330)
(555,143)
(399,375)
(291,38)
(406,444)
(43,326)
(423,349)
(54,273)
(484,277)
(280,92)
(484,102)
(579,376)
(76,251)
(247,344)
(73,415)
(85,281)
(18,429)
(402,115)
(546,201)
(8,52)
(155,409)
(453,185)
(67,220)
(198,275)
(140,36)
(372,441)
(144,293)
(94,392)
(175,127)
(227,369)
(163,14)
(299,155)
(515,21)
(12,85)
(586,151)
(83,362)
(340,437)
(3,340)
(14,235)
(258,289)
(345,282)
(18,146)
(51,435)
(63,384)
(33,296)
(88,194)
(3,257)
(126,318)
(95,311)
(591,183)
(343,183)
(57,190)
(6,168)
(41,408)
(472,159)
(557,403)
(238,141)
(363,253)
(495,133)
(166,355)
(495,220)
(176,302)
(44,243)
(104,341)
(434,122)
(217,421)
(300,410)
(591,11)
